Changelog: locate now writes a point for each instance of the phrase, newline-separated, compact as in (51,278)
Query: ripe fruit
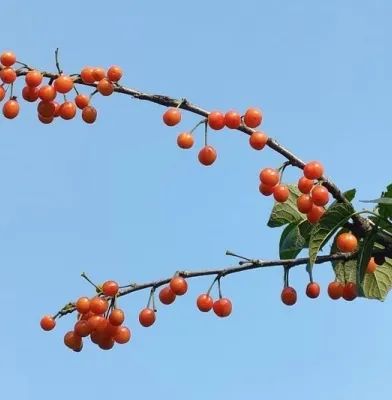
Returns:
(305,185)
(123,335)
(304,203)
(216,120)
(114,73)
(281,193)
(33,78)
(7,58)
(335,290)
(320,195)
(82,328)
(313,170)
(266,190)
(204,302)
(47,323)
(11,109)
(98,73)
(83,305)
(253,117)
(350,291)
(98,305)
(185,140)
(86,75)
(289,296)
(207,155)
(2,93)
(89,114)
(73,341)
(30,93)
(315,214)
(46,108)
(63,84)
(8,75)
(82,100)
(105,87)
(178,285)
(110,288)
(45,120)
(97,323)
(222,307)
(269,176)
(313,290)
(172,116)
(116,317)
(346,242)
(47,93)
(232,119)
(258,140)
(67,110)
(147,317)
(372,266)
(166,295)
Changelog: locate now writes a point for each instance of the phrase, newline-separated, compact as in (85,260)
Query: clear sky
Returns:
(119,200)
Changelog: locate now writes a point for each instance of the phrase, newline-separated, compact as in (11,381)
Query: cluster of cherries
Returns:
(346,242)
(46,93)
(217,120)
(101,320)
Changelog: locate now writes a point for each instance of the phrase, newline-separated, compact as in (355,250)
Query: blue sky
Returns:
(120,201)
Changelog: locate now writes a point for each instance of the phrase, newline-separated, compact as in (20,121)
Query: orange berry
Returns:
(305,185)
(73,341)
(89,114)
(313,290)
(98,73)
(105,87)
(313,170)
(320,195)
(98,305)
(147,317)
(7,58)
(2,93)
(289,296)
(114,73)
(346,242)
(82,100)
(253,117)
(178,285)
(47,93)
(204,302)
(304,203)
(83,305)
(45,120)
(281,193)
(8,75)
(172,116)
(207,155)
(110,288)
(86,75)
(350,291)
(116,317)
(216,120)
(269,176)
(33,78)
(63,84)
(185,140)
(372,266)
(222,307)
(82,328)
(266,190)
(46,108)
(123,335)
(258,140)
(11,109)
(232,119)
(47,323)
(315,214)
(335,290)
(30,93)
(166,295)
(67,110)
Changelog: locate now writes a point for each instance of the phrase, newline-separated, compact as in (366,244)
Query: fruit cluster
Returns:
(101,320)
(36,89)
(217,120)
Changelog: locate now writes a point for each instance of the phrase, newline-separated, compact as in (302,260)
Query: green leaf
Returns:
(381,200)
(366,246)
(334,218)
(287,212)
(385,210)
(295,237)
(350,194)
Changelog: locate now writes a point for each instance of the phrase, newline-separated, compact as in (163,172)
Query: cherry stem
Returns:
(151,298)
(181,103)
(219,286)
(205,132)
(286,276)
(83,275)
(197,125)
(230,253)
(56,56)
